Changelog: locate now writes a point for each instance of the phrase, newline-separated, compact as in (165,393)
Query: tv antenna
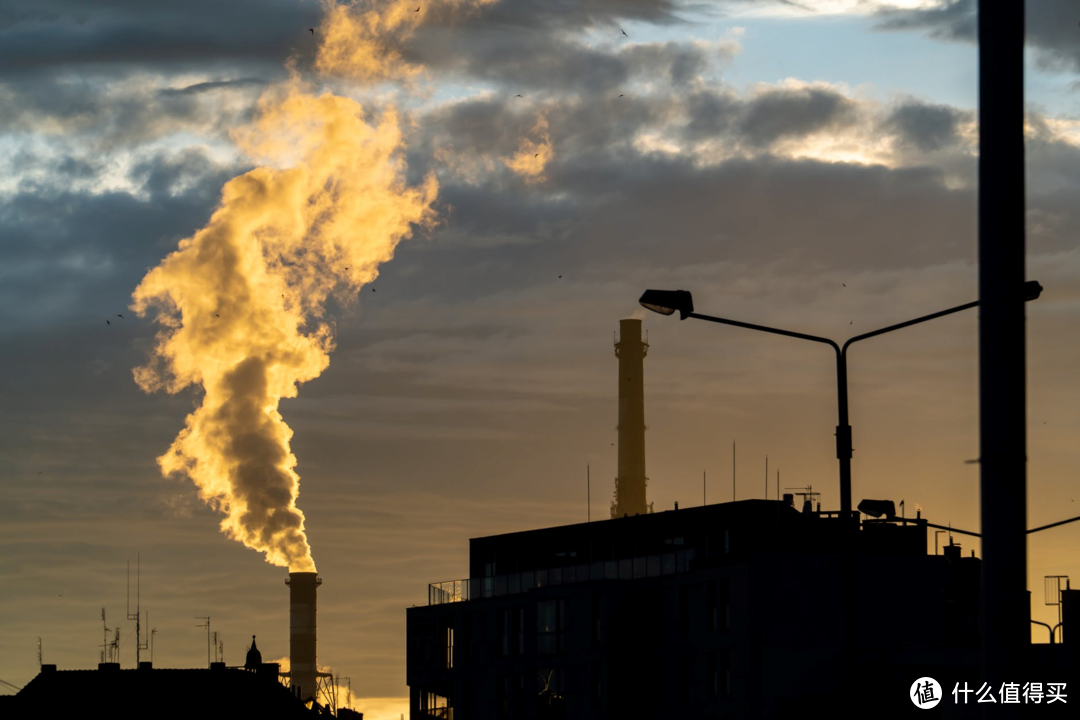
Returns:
(137,617)
(104,637)
(207,626)
(153,632)
(807,494)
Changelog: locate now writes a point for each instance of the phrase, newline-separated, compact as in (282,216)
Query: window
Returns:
(684,611)
(597,639)
(712,604)
(449,647)
(550,702)
(436,706)
(725,605)
(446,640)
(550,626)
(521,631)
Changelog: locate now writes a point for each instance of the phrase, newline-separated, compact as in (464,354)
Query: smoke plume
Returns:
(241,301)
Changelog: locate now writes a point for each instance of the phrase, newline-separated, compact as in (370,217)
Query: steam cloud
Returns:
(241,302)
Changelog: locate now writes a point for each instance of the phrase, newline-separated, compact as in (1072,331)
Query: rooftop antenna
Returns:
(104,635)
(153,632)
(588,494)
(766,477)
(39,653)
(137,617)
(732,471)
(207,626)
(704,501)
(215,646)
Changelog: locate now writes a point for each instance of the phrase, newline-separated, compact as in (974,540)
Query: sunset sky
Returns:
(501,181)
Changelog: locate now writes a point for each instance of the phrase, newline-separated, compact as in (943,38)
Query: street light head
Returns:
(1032,290)
(667,302)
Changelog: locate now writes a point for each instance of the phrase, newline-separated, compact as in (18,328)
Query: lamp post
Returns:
(668,302)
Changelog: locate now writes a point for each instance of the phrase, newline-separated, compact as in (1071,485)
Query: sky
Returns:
(456,207)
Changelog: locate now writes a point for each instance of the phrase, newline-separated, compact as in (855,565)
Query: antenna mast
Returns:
(137,617)
(207,626)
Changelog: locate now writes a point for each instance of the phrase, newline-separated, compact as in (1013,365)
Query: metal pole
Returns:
(1006,605)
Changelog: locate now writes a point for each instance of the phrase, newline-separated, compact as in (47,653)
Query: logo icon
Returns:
(925,693)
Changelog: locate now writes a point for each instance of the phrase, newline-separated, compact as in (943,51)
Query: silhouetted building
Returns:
(728,611)
(219,692)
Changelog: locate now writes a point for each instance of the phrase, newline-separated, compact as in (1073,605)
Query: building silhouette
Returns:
(731,610)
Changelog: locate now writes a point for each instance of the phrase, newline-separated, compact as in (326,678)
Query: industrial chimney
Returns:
(630,484)
(303,670)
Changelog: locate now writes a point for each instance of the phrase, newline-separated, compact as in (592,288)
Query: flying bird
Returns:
(560,276)
(418,9)
(972,462)
(120,316)
(623,32)
(620,96)
(216,315)
(536,155)
(844,284)
(372,289)
(520,96)
(108,323)
(312,30)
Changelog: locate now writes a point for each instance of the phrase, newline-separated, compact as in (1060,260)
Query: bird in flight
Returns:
(620,96)
(623,32)
(417,8)
(536,155)
(519,96)
(120,316)
(844,284)
(312,30)
(108,323)
(372,289)
(216,315)
(560,276)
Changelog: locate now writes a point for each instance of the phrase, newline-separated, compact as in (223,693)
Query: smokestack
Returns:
(630,484)
(302,666)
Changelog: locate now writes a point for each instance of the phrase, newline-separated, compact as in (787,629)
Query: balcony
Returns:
(638,568)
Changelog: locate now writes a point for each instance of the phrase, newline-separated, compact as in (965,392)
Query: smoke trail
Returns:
(241,301)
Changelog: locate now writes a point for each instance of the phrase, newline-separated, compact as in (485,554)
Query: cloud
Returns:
(1049,27)
(927,127)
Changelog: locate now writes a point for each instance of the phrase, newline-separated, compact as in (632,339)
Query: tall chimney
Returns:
(630,484)
(302,666)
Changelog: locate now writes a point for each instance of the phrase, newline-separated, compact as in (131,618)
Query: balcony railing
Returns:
(647,566)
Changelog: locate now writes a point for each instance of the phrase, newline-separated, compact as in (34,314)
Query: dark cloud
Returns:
(1050,26)
(926,127)
(202,87)
(787,113)
(52,35)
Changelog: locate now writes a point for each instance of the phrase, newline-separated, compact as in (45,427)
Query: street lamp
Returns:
(668,302)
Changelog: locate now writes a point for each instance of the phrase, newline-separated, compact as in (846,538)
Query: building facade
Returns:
(731,610)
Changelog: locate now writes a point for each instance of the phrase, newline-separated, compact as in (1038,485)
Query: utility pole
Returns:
(1005,615)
